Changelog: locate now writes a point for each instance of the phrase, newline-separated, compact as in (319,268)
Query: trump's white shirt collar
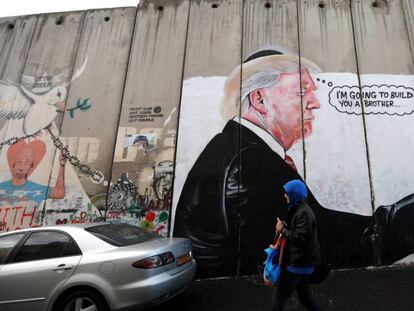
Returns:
(265,136)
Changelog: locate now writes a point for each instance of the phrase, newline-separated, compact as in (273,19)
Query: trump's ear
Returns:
(256,101)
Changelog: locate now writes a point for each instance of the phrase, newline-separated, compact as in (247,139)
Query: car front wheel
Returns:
(82,300)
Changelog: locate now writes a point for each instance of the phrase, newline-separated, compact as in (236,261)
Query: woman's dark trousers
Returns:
(290,282)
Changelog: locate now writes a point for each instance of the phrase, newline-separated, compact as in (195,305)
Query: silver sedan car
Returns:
(91,267)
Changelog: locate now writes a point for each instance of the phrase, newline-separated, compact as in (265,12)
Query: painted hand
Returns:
(62,159)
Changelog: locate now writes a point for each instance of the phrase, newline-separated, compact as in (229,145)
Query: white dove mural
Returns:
(30,110)
(36,111)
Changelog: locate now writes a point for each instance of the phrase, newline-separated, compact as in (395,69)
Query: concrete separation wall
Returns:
(187,117)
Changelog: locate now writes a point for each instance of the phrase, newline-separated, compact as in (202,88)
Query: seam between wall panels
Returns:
(120,109)
(73,65)
(178,115)
(76,49)
(240,138)
(300,90)
(363,112)
(376,245)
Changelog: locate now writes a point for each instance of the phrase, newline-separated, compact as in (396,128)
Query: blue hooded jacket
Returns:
(297,192)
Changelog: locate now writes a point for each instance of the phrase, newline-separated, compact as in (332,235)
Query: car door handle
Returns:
(63,267)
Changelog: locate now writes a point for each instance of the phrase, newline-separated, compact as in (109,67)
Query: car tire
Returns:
(82,299)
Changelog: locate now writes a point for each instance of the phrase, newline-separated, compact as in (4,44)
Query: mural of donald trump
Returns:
(233,194)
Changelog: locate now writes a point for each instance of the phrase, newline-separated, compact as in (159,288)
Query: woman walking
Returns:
(302,249)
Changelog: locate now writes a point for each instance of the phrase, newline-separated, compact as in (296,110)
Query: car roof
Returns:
(63,227)
(86,241)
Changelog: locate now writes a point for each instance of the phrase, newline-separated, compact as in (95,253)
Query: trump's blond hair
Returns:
(262,72)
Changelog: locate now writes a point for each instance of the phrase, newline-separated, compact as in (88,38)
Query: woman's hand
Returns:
(279,225)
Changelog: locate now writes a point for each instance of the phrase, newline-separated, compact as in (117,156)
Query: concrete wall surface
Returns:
(187,118)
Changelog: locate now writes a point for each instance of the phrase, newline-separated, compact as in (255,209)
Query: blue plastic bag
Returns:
(273,269)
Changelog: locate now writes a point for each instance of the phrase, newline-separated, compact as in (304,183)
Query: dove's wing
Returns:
(14,104)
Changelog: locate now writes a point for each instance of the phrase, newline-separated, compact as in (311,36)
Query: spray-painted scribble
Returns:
(122,195)
(163,177)
(125,204)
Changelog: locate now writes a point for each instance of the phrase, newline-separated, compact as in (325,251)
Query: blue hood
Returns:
(297,192)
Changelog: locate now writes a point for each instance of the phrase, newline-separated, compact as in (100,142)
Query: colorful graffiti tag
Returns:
(149,209)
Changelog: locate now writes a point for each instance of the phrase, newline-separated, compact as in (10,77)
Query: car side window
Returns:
(7,243)
(72,249)
(45,245)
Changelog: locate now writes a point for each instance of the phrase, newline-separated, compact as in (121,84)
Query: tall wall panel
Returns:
(142,172)
(336,159)
(386,67)
(267,26)
(15,37)
(213,52)
(92,114)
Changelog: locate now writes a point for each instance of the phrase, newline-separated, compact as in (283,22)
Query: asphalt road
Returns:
(377,289)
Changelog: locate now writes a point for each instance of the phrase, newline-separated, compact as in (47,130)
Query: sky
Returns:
(27,7)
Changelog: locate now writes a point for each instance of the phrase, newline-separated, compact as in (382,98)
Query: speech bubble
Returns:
(375,99)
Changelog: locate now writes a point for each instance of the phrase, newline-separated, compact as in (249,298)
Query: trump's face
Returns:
(284,109)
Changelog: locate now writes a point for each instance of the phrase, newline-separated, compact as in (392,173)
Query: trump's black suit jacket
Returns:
(232,197)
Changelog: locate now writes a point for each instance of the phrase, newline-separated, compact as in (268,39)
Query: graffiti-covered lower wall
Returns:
(187,117)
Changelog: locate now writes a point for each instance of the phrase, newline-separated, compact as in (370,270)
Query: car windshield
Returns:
(122,234)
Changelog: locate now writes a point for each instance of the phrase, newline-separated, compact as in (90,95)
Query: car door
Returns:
(38,266)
